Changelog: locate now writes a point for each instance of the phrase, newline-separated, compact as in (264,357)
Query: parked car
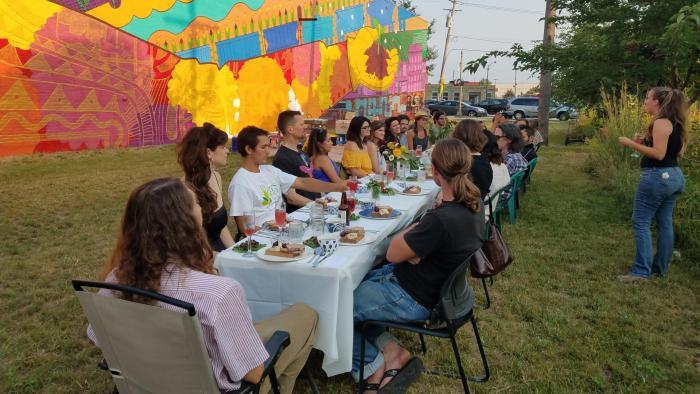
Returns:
(526,107)
(428,103)
(493,105)
(451,107)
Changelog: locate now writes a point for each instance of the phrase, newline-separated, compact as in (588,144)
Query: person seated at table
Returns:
(471,133)
(421,259)
(291,159)
(162,248)
(201,152)
(404,123)
(392,130)
(419,135)
(528,135)
(356,160)
(259,187)
(317,147)
(375,146)
(510,143)
(439,123)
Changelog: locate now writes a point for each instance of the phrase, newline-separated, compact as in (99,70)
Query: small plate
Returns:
(423,192)
(367,214)
(368,239)
(308,252)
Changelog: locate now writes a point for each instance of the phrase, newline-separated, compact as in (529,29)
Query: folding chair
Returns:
(528,173)
(454,310)
(149,349)
(516,181)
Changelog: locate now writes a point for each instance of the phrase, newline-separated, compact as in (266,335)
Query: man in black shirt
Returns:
(421,259)
(291,159)
(529,152)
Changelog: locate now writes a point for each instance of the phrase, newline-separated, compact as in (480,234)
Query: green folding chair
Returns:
(516,181)
(495,206)
(528,174)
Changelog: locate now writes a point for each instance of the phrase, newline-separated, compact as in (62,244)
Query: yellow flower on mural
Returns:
(21,19)
(264,93)
(382,74)
(206,92)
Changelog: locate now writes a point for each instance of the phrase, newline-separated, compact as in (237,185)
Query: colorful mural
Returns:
(87,74)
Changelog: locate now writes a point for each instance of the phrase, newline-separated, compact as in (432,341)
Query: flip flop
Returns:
(371,387)
(403,379)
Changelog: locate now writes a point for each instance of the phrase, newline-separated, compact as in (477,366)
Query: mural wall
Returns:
(87,74)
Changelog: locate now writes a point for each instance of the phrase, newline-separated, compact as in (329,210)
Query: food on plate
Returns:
(381,211)
(325,201)
(243,246)
(352,235)
(285,250)
(413,189)
(312,243)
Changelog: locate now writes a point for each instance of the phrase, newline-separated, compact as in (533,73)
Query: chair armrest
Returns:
(274,346)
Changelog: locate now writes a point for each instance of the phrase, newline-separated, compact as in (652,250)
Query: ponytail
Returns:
(452,160)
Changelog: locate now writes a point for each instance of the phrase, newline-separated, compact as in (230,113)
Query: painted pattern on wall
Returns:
(90,74)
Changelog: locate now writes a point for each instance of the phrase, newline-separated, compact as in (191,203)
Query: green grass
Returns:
(560,321)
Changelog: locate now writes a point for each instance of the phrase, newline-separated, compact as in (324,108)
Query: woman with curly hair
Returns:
(201,152)
(662,180)
(162,248)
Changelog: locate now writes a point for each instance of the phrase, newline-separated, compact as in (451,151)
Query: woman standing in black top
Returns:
(663,142)
(201,152)
(471,133)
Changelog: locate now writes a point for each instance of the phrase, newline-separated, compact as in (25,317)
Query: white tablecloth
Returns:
(271,287)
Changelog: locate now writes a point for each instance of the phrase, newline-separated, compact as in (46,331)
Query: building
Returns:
(472,92)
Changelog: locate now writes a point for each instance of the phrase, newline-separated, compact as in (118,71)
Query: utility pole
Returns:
(546,75)
(515,83)
(447,41)
(461,83)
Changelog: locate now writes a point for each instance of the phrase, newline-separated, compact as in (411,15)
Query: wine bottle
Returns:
(344,209)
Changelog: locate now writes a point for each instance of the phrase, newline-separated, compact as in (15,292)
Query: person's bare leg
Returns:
(395,357)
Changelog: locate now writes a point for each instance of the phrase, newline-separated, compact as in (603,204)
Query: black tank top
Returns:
(217,221)
(675,142)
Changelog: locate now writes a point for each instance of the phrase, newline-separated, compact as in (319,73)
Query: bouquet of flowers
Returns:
(395,153)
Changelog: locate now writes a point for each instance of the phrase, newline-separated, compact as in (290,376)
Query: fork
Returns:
(323,257)
(318,252)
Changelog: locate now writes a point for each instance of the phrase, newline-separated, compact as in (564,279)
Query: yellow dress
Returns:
(357,159)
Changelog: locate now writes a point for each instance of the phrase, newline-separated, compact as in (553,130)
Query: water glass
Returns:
(316,219)
(296,232)
(420,174)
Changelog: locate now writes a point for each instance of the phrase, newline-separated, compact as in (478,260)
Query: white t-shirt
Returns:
(501,178)
(258,192)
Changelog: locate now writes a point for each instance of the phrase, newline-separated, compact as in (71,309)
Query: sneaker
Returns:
(629,278)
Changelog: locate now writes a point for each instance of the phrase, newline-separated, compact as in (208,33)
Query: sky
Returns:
(483,25)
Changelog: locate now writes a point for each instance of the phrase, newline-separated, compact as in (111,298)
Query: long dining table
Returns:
(271,287)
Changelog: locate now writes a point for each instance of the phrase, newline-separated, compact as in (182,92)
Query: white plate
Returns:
(423,192)
(368,239)
(308,252)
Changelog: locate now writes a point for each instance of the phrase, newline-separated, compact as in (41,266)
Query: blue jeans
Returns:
(380,297)
(655,198)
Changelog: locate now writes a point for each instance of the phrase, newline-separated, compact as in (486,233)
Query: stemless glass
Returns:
(296,232)
(419,150)
(249,229)
(352,184)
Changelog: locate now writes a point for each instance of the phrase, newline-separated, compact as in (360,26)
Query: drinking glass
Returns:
(419,150)
(280,216)
(351,202)
(352,184)
(389,177)
(420,175)
(296,232)
(249,229)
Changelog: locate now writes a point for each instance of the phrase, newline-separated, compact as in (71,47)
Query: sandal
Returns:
(404,377)
(370,387)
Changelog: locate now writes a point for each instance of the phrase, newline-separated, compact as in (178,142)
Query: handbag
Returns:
(493,257)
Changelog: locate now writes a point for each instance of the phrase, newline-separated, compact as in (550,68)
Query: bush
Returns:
(618,169)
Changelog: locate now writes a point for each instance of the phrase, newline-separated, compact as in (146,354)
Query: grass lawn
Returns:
(560,321)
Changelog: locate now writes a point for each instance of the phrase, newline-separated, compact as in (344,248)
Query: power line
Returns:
(496,8)
(486,39)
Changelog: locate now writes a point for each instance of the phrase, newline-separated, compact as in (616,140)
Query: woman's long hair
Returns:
(388,136)
(452,160)
(192,156)
(316,139)
(471,133)
(158,229)
(355,130)
(674,107)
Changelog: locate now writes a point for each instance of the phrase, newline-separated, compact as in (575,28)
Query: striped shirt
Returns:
(233,345)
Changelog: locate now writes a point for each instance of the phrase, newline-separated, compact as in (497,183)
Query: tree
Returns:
(533,91)
(431,53)
(508,94)
(606,42)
